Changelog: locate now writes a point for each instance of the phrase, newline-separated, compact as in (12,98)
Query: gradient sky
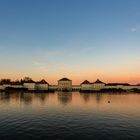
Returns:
(78,39)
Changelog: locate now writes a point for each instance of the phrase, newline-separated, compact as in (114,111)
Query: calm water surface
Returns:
(69,116)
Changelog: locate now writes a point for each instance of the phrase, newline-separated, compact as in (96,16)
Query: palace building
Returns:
(65,84)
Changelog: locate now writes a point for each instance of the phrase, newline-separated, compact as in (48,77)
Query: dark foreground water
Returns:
(69,116)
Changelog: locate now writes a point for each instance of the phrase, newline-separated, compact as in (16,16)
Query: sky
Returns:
(78,39)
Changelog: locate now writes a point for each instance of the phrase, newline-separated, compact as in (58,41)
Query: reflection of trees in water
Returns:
(26,98)
(8,96)
(4,97)
(64,97)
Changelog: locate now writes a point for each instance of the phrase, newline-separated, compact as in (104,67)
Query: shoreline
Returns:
(23,90)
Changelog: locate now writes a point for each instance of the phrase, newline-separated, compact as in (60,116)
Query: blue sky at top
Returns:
(90,35)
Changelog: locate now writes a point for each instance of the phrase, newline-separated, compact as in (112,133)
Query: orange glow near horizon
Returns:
(79,78)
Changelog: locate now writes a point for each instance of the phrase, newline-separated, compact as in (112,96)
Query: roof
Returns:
(115,84)
(29,81)
(98,82)
(42,82)
(64,79)
(86,82)
(15,83)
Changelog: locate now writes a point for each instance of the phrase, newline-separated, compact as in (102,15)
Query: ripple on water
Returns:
(73,117)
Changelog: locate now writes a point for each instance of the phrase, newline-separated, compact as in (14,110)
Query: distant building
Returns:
(76,87)
(2,87)
(42,85)
(85,86)
(5,83)
(53,87)
(98,85)
(29,84)
(124,86)
(65,84)
(16,84)
(116,85)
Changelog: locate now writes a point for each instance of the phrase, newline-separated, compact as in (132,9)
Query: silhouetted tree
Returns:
(27,79)
(5,81)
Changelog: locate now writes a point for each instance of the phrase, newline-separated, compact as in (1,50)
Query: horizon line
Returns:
(136,83)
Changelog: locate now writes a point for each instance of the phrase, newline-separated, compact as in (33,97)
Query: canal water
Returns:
(69,116)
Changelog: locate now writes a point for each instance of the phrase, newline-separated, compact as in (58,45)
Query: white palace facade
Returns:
(99,85)
(65,84)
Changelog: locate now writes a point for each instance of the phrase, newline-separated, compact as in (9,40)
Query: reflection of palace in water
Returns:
(64,97)
(25,98)
(89,96)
